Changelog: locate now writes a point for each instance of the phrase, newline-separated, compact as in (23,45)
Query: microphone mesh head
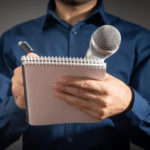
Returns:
(106,38)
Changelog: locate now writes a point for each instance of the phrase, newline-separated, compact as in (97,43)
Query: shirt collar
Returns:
(98,16)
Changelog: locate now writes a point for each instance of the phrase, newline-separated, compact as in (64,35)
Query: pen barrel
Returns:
(25,47)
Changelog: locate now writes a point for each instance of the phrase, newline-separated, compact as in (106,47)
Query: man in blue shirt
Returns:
(121,102)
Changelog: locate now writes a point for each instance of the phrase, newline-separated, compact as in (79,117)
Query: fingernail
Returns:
(55,85)
(57,93)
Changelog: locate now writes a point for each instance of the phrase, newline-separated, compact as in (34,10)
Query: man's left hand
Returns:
(99,99)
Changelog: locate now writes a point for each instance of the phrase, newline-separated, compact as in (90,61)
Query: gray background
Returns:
(13,12)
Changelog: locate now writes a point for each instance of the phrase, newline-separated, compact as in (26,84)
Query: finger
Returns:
(76,101)
(84,83)
(93,96)
(72,100)
(20,102)
(90,113)
(32,54)
(17,78)
(18,90)
(80,104)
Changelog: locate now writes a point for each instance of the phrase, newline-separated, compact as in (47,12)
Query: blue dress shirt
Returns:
(51,36)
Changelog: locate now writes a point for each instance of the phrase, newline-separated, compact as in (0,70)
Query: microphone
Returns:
(104,42)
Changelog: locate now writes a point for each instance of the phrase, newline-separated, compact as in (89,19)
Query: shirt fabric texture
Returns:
(51,36)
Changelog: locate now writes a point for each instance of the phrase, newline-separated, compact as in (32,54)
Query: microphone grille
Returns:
(107,38)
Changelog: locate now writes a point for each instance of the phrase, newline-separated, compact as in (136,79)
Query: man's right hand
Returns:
(18,87)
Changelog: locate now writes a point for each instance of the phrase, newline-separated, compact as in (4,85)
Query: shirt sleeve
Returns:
(135,124)
(12,119)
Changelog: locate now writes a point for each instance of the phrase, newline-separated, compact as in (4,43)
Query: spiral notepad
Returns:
(39,73)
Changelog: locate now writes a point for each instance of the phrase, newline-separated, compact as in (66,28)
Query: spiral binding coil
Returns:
(63,61)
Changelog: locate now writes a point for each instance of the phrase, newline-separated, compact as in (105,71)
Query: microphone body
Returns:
(104,42)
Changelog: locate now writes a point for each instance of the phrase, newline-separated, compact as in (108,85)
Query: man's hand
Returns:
(99,99)
(18,87)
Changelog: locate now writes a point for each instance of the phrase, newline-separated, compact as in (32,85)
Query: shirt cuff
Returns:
(140,108)
(135,123)
(136,115)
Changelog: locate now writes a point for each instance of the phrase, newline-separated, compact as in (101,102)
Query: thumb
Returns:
(32,54)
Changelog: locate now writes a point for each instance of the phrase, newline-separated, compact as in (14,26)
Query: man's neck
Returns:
(74,14)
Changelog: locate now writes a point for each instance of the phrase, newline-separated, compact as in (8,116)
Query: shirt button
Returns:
(70,140)
(74,32)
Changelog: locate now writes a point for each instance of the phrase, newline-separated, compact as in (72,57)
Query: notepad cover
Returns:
(43,107)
